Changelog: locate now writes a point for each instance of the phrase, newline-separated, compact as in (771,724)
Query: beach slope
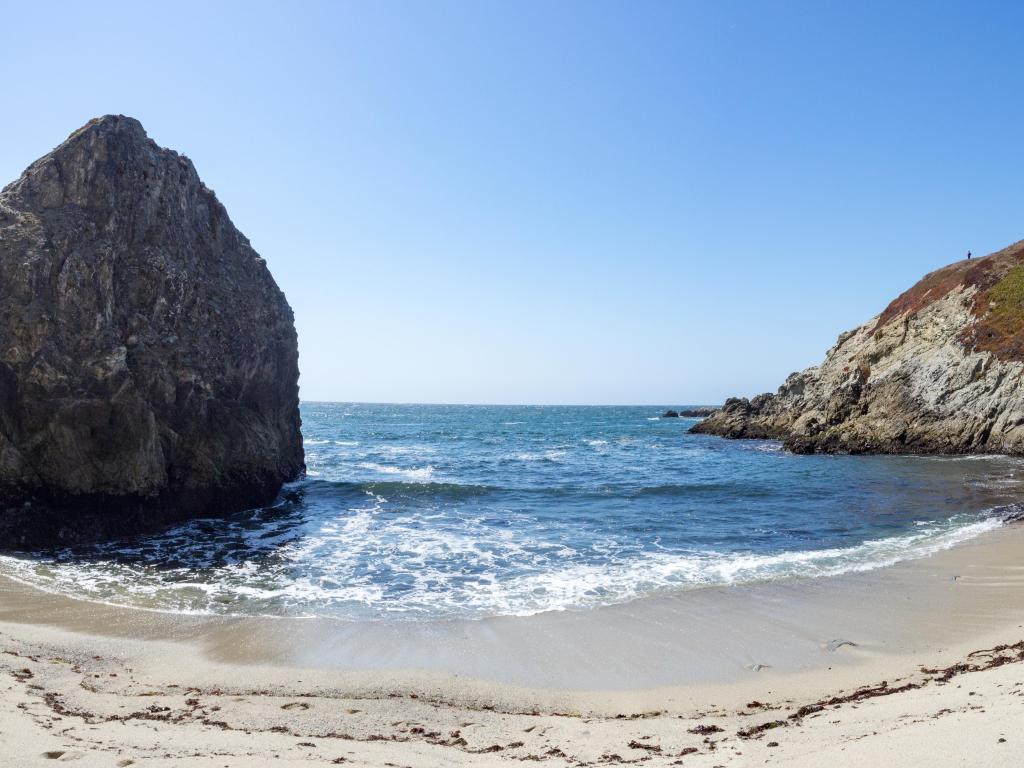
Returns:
(918,664)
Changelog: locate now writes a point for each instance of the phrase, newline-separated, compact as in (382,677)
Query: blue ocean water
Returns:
(426,511)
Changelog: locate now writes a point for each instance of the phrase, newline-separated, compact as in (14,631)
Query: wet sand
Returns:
(575,687)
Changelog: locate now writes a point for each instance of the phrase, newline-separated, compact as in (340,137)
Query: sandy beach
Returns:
(915,664)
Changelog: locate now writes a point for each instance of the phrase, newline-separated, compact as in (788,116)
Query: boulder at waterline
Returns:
(148,360)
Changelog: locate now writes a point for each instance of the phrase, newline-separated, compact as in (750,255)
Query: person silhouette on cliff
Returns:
(968,255)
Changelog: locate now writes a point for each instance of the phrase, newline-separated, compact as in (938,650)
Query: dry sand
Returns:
(899,666)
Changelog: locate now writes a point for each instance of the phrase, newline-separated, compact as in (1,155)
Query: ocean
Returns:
(413,512)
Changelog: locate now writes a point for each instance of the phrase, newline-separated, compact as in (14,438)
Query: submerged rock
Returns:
(938,371)
(148,360)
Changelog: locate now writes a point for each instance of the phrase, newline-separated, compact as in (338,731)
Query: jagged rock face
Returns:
(148,360)
(939,371)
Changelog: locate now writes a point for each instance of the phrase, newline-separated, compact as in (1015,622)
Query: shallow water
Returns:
(415,511)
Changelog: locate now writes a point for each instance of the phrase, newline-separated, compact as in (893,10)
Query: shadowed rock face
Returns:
(148,360)
(940,370)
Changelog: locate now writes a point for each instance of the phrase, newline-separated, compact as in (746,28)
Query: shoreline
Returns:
(593,677)
(999,515)
(785,625)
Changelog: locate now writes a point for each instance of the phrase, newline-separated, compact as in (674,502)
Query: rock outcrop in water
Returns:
(939,371)
(148,360)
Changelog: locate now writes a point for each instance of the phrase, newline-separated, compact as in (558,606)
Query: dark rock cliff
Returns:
(940,370)
(148,360)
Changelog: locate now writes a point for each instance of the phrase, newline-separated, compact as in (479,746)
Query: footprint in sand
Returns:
(295,705)
(835,645)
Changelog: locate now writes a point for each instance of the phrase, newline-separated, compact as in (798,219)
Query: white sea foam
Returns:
(551,455)
(417,474)
(765,447)
(405,450)
(349,553)
(965,457)
(583,585)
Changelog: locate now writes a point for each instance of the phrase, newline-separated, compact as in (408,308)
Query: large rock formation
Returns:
(939,371)
(148,361)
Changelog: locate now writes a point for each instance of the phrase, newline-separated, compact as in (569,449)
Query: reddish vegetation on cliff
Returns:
(998,303)
(999,308)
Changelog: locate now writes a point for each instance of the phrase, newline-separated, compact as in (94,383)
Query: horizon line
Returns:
(517,405)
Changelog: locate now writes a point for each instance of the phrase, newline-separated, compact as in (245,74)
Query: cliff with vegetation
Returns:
(938,371)
(148,360)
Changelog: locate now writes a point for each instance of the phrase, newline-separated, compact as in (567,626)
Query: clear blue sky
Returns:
(559,202)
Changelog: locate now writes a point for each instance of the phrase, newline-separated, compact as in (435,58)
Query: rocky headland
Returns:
(148,360)
(938,371)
